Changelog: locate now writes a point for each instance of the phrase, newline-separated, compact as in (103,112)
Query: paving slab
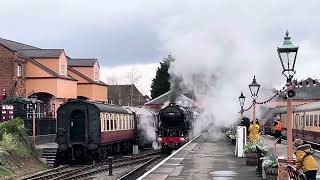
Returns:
(205,158)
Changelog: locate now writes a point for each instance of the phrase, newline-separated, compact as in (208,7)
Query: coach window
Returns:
(132,121)
(127,122)
(123,122)
(102,121)
(105,121)
(311,120)
(112,122)
(128,119)
(315,118)
(108,122)
(118,124)
(307,120)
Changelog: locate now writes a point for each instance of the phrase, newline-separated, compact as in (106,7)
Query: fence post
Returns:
(110,166)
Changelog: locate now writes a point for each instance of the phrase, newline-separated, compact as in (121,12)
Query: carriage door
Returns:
(77,126)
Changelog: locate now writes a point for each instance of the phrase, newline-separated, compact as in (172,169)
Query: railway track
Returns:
(133,174)
(78,172)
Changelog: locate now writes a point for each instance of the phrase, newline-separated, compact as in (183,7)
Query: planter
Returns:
(271,173)
(252,159)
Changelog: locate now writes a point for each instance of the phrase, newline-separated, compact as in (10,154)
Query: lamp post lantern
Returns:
(287,55)
(254,89)
(34,101)
(242,98)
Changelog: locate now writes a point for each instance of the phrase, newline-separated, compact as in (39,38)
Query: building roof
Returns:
(86,77)
(75,62)
(15,45)
(165,98)
(41,53)
(124,89)
(308,89)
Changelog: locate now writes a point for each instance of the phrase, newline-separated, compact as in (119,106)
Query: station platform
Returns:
(205,157)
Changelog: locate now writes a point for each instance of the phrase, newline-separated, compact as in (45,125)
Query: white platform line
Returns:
(166,159)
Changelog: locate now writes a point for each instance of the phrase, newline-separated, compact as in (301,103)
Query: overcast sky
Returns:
(122,33)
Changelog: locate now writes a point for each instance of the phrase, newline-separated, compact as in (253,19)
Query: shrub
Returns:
(5,172)
(8,142)
(14,127)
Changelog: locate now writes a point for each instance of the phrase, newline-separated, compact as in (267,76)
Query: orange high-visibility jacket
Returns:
(278,127)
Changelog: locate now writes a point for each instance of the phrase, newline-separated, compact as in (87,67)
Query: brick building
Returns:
(123,94)
(49,73)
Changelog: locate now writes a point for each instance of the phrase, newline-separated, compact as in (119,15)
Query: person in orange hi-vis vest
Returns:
(278,128)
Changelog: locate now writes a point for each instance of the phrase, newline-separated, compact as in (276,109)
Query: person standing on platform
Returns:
(305,160)
(256,129)
(278,129)
(246,122)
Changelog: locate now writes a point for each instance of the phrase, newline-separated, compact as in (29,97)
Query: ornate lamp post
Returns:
(254,89)
(34,100)
(242,98)
(287,55)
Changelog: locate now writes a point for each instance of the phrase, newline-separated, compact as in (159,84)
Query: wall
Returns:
(85,90)
(88,71)
(34,71)
(41,85)
(66,88)
(8,65)
(100,93)
(51,63)
(77,77)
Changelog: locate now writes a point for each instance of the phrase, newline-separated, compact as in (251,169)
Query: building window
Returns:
(62,68)
(96,76)
(19,70)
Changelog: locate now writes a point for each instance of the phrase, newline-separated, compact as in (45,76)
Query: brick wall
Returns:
(8,68)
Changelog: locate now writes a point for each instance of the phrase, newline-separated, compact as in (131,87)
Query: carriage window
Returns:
(307,120)
(112,123)
(315,120)
(101,121)
(311,120)
(132,121)
(123,122)
(108,122)
(300,120)
(127,123)
(115,123)
(105,122)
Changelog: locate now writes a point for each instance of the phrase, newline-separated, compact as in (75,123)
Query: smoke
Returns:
(175,87)
(146,126)
(217,61)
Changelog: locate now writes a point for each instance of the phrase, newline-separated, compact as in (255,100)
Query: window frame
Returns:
(62,69)
(19,70)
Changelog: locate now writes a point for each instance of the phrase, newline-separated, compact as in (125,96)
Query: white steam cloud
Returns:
(218,61)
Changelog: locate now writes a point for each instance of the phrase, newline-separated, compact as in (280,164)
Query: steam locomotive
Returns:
(89,131)
(174,125)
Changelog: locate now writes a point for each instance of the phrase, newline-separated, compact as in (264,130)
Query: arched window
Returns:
(102,121)
(108,121)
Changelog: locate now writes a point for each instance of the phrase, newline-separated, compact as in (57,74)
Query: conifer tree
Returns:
(160,84)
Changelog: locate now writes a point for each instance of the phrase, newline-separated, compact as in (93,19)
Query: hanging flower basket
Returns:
(252,159)
(271,173)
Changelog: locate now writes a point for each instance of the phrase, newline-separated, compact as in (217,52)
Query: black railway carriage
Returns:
(90,131)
